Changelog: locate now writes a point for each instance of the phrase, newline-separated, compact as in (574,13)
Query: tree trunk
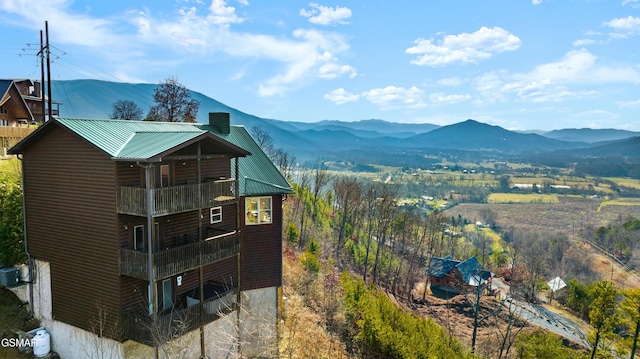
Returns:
(635,339)
(595,344)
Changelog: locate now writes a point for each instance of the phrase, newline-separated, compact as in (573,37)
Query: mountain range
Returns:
(312,141)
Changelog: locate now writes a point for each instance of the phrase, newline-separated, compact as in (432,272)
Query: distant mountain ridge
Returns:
(474,135)
(590,135)
(311,141)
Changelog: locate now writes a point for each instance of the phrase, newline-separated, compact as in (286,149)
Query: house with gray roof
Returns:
(453,276)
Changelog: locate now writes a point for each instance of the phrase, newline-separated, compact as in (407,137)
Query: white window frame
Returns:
(261,214)
(215,215)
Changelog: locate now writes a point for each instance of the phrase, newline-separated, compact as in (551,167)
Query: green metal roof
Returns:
(132,137)
(258,175)
(149,144)
(149,141)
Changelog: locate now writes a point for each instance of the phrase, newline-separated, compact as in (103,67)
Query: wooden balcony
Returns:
(176,199)
(179,259)
(156,330)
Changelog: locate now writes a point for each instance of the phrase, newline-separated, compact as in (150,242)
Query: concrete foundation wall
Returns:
(251,331)
(66,340)
(259,323)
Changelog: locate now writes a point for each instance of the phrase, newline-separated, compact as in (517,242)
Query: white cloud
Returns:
(632,3)
(579,66)
(567,79)
(73,28)
(199,27)
(583,42)
(340,96)
(223,14)
(333,70)
(463,48)
(629,104)
(451,81)
(392,97)
(440,98)
(536,2)
(323,15)
(624,26)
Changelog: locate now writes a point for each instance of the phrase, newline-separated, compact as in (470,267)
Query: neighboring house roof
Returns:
(258,175)
(471,270)
(556,284)
(150,141)
(440,267)
(23,112)
(4,88)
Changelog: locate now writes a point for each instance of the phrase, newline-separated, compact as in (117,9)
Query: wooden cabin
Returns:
(149,222)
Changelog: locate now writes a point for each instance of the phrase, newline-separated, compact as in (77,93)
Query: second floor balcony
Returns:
(176,199)
(172,261)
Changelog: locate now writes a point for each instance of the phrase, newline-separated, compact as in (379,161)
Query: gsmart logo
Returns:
(17,342)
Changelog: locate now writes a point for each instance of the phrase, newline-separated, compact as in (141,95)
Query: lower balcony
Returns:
(179,259)
(189,315)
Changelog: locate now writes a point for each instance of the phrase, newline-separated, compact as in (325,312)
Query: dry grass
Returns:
(304,333)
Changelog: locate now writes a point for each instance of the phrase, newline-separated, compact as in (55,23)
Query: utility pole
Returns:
(48,48)
(44,116)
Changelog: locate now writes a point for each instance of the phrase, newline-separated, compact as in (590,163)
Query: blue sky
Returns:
(518,64)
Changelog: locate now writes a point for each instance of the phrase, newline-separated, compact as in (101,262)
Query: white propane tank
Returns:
(23,271)
(42,345)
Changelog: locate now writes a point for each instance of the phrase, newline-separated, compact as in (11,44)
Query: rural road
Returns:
(554,322)
(540,316)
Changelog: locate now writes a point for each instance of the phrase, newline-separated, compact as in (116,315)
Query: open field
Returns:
(624,202)
(626,182)
(568,216)
(522,198)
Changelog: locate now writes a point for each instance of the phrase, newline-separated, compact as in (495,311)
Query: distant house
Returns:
(20,107)
(454,276)
(168,232)
(31,95)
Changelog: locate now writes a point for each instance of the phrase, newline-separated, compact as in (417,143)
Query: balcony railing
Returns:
(179,259)
(156,330)
(176,199)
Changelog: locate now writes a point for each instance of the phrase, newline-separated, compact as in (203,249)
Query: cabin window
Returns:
(167,294)
(216,215)
(165,178)
(138,238)
(258,210)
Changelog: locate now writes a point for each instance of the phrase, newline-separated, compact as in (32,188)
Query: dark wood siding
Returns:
(129,174)
(70,193)
(216,168)
(134,294)
(261,246)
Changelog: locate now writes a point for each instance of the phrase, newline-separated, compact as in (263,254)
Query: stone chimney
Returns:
(219,121)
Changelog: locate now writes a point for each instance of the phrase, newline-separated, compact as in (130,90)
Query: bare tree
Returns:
(347,191)
(386,210)
(303,188)
(263,139)
(103,326)
(321,178)
(173,103)
(126,110)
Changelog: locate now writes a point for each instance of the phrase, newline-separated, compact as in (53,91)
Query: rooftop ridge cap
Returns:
(124,144)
